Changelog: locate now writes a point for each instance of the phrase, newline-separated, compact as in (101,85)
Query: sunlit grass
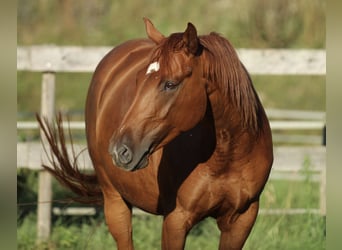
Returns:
(303,231)
(270,232)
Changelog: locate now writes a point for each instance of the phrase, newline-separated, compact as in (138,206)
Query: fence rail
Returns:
(288,161)
(288,125)
(51,59)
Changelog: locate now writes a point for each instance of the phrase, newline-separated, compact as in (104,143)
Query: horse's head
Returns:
(170,98)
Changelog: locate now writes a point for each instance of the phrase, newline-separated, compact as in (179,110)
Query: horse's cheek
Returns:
(197,111)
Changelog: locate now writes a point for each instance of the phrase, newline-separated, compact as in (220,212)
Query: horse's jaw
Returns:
(142,163)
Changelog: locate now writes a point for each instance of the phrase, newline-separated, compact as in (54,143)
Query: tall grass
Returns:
(306,231)
(293,232)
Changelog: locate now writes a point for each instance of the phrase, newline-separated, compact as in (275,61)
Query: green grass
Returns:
(290,232)
(270,232)
(305,231)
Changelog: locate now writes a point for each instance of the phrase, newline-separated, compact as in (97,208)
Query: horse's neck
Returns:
(232,139)
(225,115)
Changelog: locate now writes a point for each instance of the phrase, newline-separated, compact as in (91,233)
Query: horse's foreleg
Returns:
(176,226)
(234,231)
(119,220)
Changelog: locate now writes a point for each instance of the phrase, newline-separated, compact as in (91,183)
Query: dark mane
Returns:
(223,68)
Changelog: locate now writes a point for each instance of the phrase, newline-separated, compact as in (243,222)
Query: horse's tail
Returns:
(65,168)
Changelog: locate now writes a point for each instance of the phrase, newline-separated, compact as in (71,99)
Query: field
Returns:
(247,24)
(303,231)
(269,233)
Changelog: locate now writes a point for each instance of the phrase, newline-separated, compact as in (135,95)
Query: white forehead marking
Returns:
(152,67)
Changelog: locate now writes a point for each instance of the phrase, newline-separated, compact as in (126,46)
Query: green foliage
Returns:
(143,226)
(280,24)
(247,23)
(203,236)
(26,193)
(26,233)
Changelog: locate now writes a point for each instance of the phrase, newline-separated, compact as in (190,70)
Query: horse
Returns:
(174,127)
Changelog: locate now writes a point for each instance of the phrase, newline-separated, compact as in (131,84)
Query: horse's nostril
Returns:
(124,154)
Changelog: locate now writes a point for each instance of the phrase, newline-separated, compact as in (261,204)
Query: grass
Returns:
(306,231)
(290,232)
(270,232)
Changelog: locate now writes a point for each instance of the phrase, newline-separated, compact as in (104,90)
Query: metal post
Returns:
(44,189)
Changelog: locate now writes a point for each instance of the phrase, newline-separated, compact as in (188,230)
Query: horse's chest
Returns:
(217,193)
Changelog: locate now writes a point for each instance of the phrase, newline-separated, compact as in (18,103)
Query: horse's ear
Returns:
(190,39)
(152,32)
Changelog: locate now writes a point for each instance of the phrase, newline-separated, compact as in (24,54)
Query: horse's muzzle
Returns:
(126,158)
(123,155)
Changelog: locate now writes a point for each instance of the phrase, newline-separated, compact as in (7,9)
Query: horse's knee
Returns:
(176,226)
(236,227)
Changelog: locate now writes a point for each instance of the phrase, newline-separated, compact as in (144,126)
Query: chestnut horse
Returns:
(174,127)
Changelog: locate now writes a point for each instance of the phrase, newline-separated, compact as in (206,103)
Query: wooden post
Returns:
(44,188)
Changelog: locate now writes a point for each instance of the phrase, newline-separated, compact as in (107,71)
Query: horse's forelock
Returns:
(163,52)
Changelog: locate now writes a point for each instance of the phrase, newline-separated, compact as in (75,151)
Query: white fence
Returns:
(85,59)
(288,160)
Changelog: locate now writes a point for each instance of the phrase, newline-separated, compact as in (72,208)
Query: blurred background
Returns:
(247,24)
(257,24)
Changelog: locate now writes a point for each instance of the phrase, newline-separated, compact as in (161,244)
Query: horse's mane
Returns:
(223,68)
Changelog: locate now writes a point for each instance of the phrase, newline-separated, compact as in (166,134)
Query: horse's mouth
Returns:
(143,162)
(130,158)
(134,164)
(144,159)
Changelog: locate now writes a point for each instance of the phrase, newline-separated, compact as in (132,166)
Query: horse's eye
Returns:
(170,85)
